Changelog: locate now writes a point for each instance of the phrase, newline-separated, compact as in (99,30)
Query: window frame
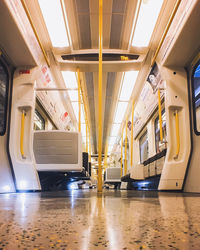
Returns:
(143,134)
(41,118)
(2,63)
(193,99)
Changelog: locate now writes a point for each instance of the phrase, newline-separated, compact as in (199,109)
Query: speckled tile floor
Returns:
(79,219)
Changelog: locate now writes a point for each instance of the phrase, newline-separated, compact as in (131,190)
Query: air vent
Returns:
(95,57)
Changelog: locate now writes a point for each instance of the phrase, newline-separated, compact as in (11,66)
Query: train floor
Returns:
(81,219)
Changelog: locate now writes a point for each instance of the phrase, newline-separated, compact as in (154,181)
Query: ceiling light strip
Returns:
(135,20)
(62,3)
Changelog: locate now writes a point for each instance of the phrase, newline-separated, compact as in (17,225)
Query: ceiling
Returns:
(118,19)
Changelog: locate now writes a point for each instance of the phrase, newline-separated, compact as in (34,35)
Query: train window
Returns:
(160,145)
(39,122)
(144,147)
(4,81)
(196,98)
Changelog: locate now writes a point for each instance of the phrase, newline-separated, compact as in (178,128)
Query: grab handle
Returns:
(177,135)
(22,135)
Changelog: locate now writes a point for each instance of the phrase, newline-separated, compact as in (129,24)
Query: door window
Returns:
(196,98)
(4,80)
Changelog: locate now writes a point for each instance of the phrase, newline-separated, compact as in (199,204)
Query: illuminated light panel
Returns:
(127,85)
(110,147)
(75,108)
(6,188)
(115,129)
(112,140)
(147,18)
(121,109)
(53,17)
(22,185)
(83,139)
(83,129)
(73,94)
(70,79)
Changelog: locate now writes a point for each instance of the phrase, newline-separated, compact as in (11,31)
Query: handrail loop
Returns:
(22,135)
(177,135)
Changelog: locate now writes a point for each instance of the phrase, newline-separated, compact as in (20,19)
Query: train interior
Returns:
(100,98)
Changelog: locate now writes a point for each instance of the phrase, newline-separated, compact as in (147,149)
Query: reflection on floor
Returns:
(79,219)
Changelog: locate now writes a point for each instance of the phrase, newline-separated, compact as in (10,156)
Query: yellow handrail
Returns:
(132,119)
(125,163)
(177,135)
(35,31)
(99,188)
(79,100)
(122,152)
(160,115)
(165,31)
(22,135)
(86,137)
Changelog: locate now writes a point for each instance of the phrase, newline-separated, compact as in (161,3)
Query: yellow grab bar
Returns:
(125,163)
(99,188)
(132,119)
(35,31)
(177,135)
(79,100)
(122,152)
(165,31)
(160,115)
(22,135)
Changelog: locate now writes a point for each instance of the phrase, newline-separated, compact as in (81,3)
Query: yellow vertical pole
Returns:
(160,116)
(86,136)
(122,152)
(99,189)
(125,163)
(177,135)
(79,100)
(89,145)
(22,135)
(132,119)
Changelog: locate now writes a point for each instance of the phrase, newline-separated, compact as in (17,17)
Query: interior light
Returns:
(115,129)
(83,129)
(22,185)
(127,85)
(110,147)
(75,108)
(112,140)
(73,94)
(6,188)
(121,109)
(147,18)
(70,79)
(53,17)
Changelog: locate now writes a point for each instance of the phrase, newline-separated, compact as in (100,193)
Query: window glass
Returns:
(39,122)
(160,145)
(196,98)
(143,147)
(3,98)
